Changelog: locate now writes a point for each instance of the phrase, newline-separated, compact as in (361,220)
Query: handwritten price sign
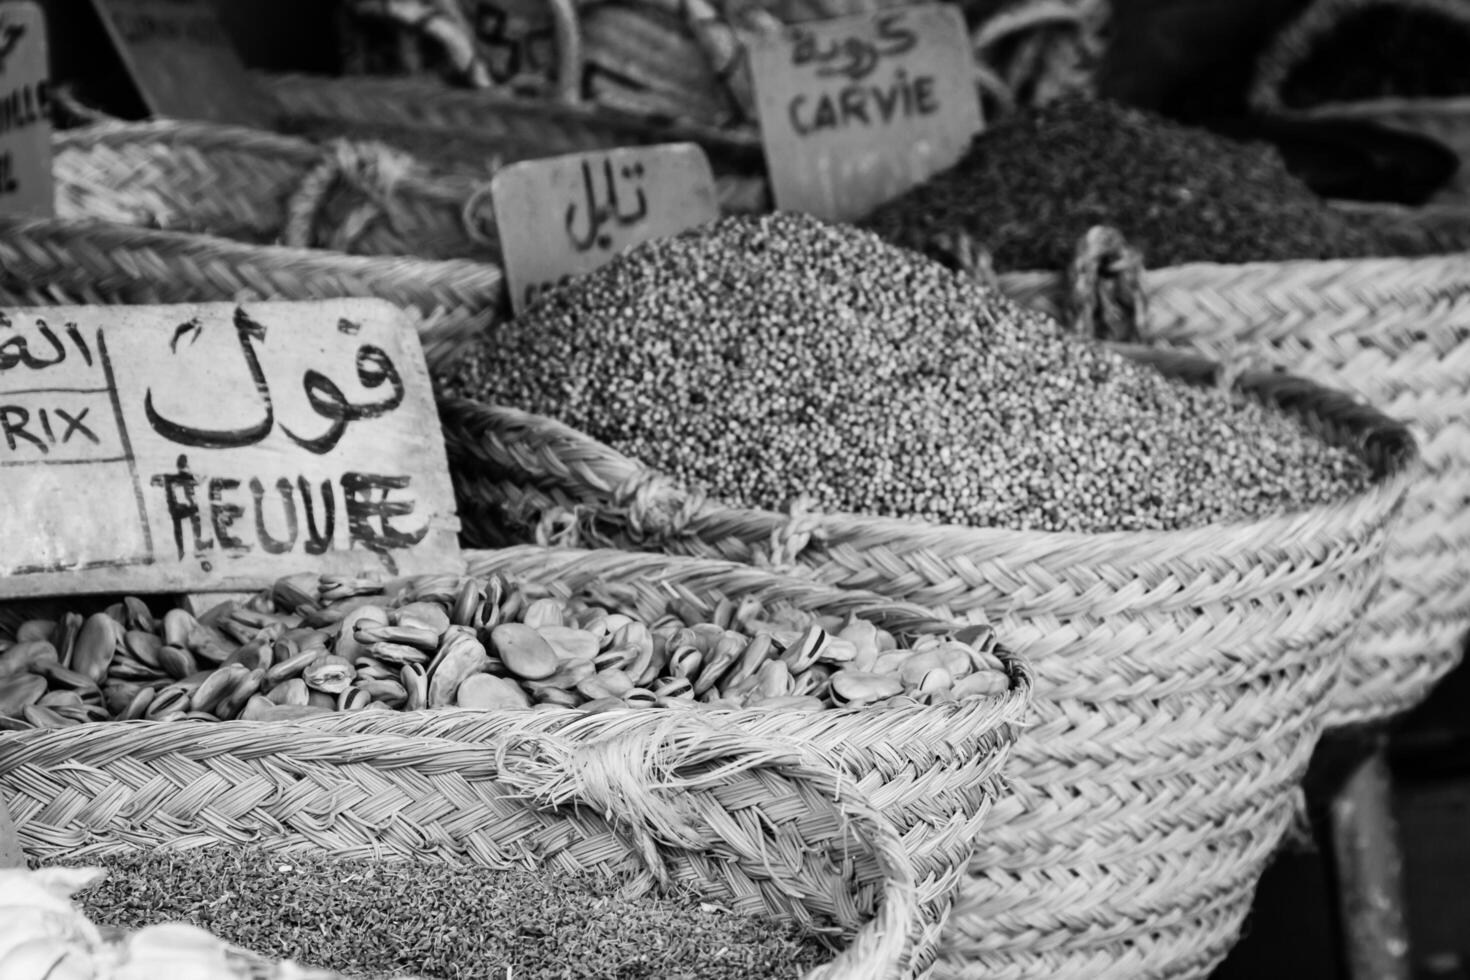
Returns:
(216,447)
(183,63)
(564,216)
(25,112)
(856,110)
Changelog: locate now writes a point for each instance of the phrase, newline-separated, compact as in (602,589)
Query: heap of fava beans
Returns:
(776,358)
(311,646)
(1030,187)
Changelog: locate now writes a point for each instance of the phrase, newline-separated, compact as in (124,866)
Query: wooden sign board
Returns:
(564,216)
(856,110)
(216,447)
(182,61)
(25,112)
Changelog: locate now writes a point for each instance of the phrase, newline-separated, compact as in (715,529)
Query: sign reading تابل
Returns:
(566,215)
(216,447)
(856,110)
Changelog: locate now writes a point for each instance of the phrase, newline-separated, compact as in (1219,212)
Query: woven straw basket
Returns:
(1444,119)
(1181,676)
(359,198)
(57,261)
(754,808)
(1393,332)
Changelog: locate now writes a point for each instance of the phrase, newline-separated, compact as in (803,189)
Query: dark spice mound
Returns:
(767,359)
(1031,187)
(1382,51)
(375,919)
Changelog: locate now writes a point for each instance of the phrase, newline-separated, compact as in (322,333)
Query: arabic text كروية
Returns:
(861,56)
(598,215)
(374,369)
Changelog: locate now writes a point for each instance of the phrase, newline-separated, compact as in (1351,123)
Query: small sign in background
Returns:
(564,216)
(182,61)
(856,110)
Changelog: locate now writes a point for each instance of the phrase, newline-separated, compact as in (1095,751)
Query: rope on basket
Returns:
(373,169)
(1105,287)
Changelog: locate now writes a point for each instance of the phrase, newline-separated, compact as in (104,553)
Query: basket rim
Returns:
(602,469)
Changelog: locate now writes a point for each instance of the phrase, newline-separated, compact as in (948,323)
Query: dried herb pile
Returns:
(1031,187)
(383,919)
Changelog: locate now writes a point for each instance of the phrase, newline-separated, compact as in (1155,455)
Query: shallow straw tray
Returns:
(748,807)
(1393,332)
(1444,119)
(1181,676)
(57,261)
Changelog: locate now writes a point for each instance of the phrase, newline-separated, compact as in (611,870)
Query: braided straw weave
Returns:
(1181,676)
(1444,119)
(47,262)
(750,807)
(262,188)
(1393,332)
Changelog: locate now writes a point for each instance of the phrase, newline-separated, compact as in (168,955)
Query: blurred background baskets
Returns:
(685,60)
(1182,677)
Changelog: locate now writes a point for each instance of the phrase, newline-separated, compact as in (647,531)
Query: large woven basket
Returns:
(1181,676)
(1393,332)
(1445,119)
(58,261)
(748,807)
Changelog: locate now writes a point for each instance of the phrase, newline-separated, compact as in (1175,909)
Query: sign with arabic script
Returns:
(856,110)
(183,62)
(563,216)
(216,447)
(25,112)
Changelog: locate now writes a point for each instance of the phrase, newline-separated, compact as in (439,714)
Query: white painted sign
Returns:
(856,110)
(216,447)
(564,216)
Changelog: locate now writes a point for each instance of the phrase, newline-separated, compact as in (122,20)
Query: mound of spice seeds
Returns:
(1031,187)
(372,919)
(773,358)
(1386,50)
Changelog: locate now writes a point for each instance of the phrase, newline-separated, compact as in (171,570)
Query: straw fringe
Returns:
(1182,676)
